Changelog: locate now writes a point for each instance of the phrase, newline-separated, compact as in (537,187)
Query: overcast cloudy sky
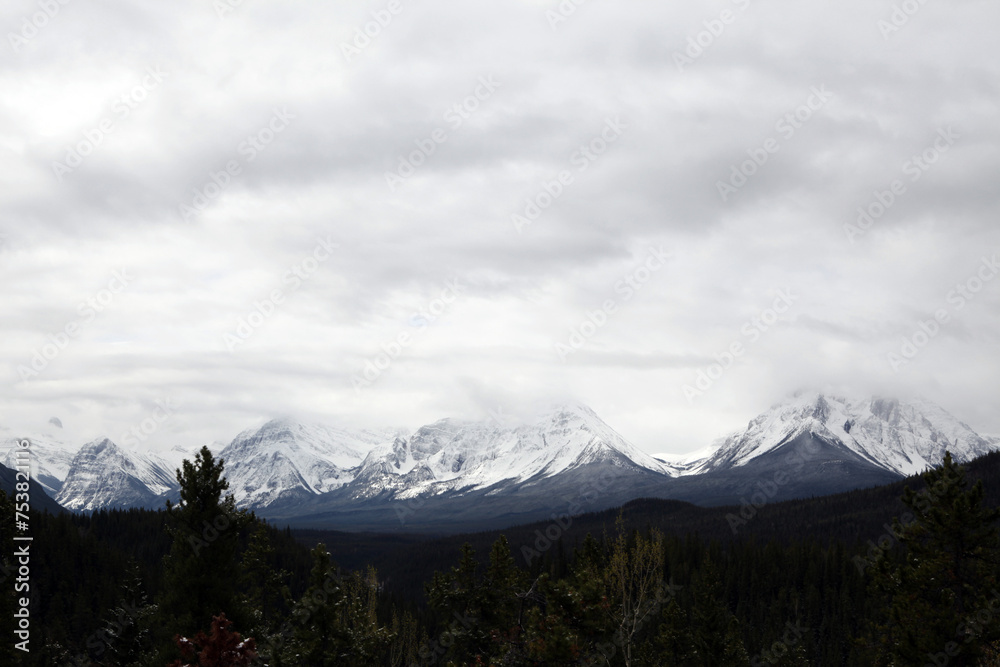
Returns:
(236,208)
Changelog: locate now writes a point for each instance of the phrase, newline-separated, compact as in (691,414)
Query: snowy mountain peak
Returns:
(50,457)
(285,458)
(102,474)
(287,466)
(904,437)
(454,456)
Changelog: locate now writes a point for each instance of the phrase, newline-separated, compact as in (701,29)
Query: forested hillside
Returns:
(825,581)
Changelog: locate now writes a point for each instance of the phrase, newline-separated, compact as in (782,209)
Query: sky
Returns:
(379,214)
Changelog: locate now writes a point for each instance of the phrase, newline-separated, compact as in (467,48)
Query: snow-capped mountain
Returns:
(469,473)
(900,437)
(451,456)
(176,455)
(284,459)
(50,458)
(102,474)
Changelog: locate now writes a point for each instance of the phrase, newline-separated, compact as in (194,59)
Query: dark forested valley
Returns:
(904,574)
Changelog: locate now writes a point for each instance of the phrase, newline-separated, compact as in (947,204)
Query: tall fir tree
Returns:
(200,572)
(942,592)
(335,622)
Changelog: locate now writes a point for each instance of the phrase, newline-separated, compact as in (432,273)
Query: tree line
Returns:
(204,583)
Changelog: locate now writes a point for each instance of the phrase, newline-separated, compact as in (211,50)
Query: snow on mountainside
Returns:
(283,457)
(102,474)
(457,456)
(904,437)
(50,457)
(283,464)
(686,464)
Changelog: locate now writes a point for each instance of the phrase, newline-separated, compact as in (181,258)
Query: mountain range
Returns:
(455,475)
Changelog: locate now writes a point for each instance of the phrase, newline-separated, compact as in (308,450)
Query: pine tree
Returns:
(200,573)
(127,632)
(947,575)
(260,582)
(504,600)
(715,631)
(336,622)
(457,597)
(707,633)
(673,640)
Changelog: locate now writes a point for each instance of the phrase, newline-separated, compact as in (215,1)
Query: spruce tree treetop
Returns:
(201,482)
(202,570)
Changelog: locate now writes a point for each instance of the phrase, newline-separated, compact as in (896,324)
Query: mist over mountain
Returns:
(457,473)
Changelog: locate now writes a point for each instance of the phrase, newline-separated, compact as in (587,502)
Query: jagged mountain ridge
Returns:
(904,437)
(102,474)
(318,474)
(453,456)
(284,459)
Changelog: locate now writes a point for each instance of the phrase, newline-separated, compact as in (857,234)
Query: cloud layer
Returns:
(390,212)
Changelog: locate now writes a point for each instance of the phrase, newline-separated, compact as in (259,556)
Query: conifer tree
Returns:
(335,622)
(457,597)
(504,600)
(200,572)
(943,593)
(673,643)
(260,582)
(127,632)
(715,631)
